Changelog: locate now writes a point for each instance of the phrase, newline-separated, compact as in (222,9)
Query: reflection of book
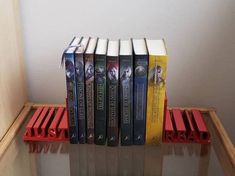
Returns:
(100,92)
(126,92)
(125,163)
(156,90)
(80,82)
(89,77)
(140,89)
(112,92)
(153,157)
(71,89)
(112,159)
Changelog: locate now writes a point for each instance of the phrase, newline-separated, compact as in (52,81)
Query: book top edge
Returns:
(125,47)
(139,47)
(91,46)
(113,48)
(101,46)
(156,47)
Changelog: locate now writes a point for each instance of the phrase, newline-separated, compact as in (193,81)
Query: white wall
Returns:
(200,36)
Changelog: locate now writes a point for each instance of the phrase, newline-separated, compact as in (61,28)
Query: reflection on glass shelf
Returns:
(84,159)
(59,159)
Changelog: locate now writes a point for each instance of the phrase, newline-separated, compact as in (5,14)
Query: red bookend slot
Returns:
(200,125)
(179,124)
(32,121)
(169,133)
(53,127)
(47,121)
(36,129)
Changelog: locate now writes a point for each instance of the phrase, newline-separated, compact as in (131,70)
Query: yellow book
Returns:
(156,90)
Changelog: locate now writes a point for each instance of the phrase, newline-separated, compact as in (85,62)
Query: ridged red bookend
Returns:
(47,124)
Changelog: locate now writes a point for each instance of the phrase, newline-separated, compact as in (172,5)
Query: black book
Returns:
(100,92)
(69,58)
(89,75)
(140,89)
(126,92)
(112,92)
(80,83)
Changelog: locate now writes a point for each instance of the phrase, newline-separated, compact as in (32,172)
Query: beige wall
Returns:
(12,77)
(199,35)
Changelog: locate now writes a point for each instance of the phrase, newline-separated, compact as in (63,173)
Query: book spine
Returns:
(156,99)
(140,92)
(112,100)
(89,75)
(71,97)
(79,65)
(100,101)
(126,99)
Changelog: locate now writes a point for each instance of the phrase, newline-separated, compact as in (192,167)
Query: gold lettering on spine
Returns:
(90,108)
(112,105)
(100,96)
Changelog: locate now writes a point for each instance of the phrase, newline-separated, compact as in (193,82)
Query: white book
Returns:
(125,47)
(139,47)
(101,46)
(91,46)
(83,45)
(73,45)
(113,48)
(156,47)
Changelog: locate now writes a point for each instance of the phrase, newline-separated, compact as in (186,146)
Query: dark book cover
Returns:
(126,98)
(113,94)
(89,76)
(69,59)
(100,94)
(140,92)
(80,83)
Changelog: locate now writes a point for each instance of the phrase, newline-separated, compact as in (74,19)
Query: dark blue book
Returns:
(69,58)
(80,83)
(140,90)
(112,88)
(100,92)
(126,92)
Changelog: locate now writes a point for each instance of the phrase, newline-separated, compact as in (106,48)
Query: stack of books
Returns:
(115,89)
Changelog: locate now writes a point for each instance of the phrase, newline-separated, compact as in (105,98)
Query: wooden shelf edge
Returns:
(227,143)
(13,129)
(203,110)
(36,105)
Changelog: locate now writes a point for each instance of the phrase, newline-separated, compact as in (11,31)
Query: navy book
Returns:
(112,88)
(126,92)
(140,89)
(80,84)
(69,59)
(100,92)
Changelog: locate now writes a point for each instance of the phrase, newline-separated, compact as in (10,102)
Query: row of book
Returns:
(115,87)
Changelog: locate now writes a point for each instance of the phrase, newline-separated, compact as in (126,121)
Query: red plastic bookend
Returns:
(47,124)
(185,127)
(180,126)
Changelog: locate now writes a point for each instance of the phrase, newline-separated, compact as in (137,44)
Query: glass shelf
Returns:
(62,158)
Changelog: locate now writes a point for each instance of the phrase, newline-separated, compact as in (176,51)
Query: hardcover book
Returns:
(126,92)
(89,77)
(112,92)
(69,58)
(156,90)
(80,83)
(100,92)
(140,89)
